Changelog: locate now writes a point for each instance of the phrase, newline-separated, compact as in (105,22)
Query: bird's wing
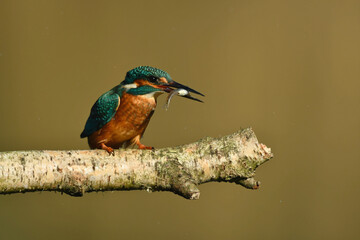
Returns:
(101,113)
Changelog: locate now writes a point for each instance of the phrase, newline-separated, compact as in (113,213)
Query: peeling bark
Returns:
(181,169)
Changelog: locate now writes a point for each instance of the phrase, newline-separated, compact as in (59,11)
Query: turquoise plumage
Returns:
(145,72)
(102,111)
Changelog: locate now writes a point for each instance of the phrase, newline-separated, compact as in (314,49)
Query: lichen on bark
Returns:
(232,158)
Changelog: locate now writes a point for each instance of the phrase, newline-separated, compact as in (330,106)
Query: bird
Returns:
(120,116)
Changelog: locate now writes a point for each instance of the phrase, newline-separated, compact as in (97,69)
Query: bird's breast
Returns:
(129,121)
(135,110)
(132,117)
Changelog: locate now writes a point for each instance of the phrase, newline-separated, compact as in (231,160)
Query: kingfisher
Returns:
(120,116)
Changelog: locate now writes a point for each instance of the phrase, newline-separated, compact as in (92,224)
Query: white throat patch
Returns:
(129,86)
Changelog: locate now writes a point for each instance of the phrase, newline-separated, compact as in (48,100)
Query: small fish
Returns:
(179,91)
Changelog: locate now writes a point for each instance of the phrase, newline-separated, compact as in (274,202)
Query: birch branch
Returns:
(181,169)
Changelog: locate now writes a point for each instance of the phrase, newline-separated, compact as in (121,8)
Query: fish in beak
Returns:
(175,88)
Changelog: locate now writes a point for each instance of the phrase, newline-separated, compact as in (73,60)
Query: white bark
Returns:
(232,158)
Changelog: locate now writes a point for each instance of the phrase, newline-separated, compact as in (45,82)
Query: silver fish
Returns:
(179,91)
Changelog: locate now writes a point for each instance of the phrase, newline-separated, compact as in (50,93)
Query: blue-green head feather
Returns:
(146,73)
(158,81)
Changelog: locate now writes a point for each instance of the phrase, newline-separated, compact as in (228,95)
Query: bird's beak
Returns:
(175,85)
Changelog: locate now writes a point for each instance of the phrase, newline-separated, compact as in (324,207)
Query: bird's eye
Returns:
(153,79)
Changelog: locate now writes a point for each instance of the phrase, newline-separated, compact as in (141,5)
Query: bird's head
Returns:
(145,80)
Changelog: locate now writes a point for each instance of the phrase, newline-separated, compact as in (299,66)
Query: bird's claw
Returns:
(112,152)
(108,149)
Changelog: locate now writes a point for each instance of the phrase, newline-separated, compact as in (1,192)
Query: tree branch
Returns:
(181,169)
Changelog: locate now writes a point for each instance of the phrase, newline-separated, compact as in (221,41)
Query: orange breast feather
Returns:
(129,122)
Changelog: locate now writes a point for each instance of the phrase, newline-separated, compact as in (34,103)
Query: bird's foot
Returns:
(136,141)
(108,149)
(142,146)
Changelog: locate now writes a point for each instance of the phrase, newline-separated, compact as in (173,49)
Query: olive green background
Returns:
(289,69)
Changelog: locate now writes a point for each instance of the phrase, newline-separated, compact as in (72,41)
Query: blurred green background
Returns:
(289,69)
